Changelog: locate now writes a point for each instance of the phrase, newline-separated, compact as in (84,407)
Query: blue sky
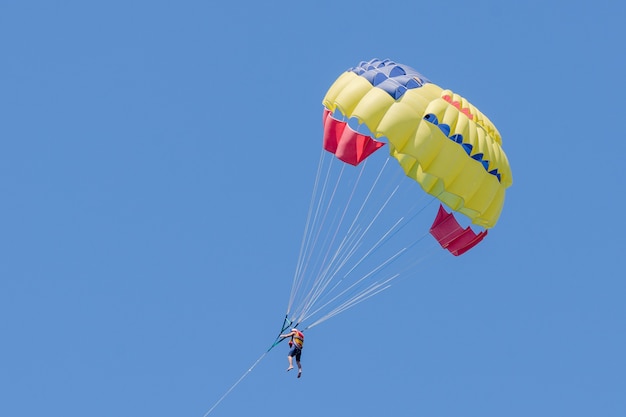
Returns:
(156,168)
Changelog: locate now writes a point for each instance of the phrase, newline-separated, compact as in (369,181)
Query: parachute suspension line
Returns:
(382,239)
(313,233)
(425,254)
(340,222)
(347,258)
(321,290)
(338,252)
(371,291)
(363,278)
(391,232)
(294,286)
(369,194)
(316,231)
(308,240)
(371,222)
(375,287)
(323,277)
(398,226)
(343,214)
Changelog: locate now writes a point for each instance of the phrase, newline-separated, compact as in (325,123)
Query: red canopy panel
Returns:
(347,145)
(452,236)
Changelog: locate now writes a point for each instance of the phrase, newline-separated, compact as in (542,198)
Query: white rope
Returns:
(364,295)
(319,281)
(313,238)
(295,286)
(374,288)
(322,280)
(338,227)
(311,235)
(363,278)
(333,249)
(245,374)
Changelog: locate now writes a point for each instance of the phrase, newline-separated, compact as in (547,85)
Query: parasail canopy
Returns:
(439,138)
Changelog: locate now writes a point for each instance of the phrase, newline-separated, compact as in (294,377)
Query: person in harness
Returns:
(295,348)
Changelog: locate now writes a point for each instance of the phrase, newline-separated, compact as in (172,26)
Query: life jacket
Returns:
(298,339)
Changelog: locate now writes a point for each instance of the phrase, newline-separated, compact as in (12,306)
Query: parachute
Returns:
(364,226)
(440,141)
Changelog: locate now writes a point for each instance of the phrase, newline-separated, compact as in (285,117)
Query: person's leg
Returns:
(298,363)
(290,362)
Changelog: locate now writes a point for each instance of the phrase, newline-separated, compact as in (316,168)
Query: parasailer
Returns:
(295,348)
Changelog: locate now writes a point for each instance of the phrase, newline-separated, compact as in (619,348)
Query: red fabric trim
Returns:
(347,145)
(450,235)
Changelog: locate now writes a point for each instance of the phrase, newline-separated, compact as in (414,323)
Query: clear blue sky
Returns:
(156,165)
